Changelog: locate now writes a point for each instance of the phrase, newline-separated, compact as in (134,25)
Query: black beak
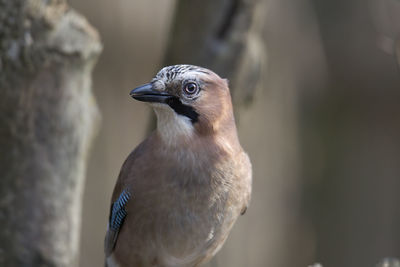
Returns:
(147,93)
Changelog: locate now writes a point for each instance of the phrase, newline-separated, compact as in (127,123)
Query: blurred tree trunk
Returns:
(352,150)
(223,36)
(231,37)
(47,120)
(325,121)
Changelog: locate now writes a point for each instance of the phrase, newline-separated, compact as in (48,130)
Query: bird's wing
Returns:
(116,219)
(121,195)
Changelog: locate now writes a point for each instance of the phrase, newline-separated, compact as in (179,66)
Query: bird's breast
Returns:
(183,204)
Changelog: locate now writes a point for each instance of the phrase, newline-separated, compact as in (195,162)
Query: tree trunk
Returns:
(48,117)
(231,37)
(352,150)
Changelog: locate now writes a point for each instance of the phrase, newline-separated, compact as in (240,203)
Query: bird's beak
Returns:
(147,93)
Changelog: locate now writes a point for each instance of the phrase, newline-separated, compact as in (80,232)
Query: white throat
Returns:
(171,126)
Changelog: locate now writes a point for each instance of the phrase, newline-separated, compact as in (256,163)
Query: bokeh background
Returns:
(322,127)
(316,90)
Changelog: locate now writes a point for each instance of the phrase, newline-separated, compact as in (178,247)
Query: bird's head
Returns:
(188,100)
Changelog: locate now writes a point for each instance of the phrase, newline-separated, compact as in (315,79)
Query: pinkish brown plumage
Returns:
(181,190)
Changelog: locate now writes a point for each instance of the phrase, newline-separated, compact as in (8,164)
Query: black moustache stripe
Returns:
(183,109)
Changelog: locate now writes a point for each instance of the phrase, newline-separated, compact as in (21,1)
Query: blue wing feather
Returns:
(117,217)
(118,212)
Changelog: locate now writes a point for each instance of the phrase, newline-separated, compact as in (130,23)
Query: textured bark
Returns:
(47,120)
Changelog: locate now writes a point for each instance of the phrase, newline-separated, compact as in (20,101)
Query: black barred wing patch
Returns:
(118,211)
(117,217)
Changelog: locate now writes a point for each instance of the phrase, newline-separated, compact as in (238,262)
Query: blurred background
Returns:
(321,125)
(316,90)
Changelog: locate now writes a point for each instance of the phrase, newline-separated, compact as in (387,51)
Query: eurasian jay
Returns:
(181,190)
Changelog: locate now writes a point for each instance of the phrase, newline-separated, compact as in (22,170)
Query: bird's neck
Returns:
(173,129)
(177,131)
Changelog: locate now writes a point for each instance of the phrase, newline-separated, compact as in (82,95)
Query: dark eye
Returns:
(191,88)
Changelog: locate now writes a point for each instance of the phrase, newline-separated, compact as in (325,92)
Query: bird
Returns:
(180,191)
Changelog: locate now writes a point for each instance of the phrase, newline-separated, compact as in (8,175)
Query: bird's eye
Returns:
(191,88)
